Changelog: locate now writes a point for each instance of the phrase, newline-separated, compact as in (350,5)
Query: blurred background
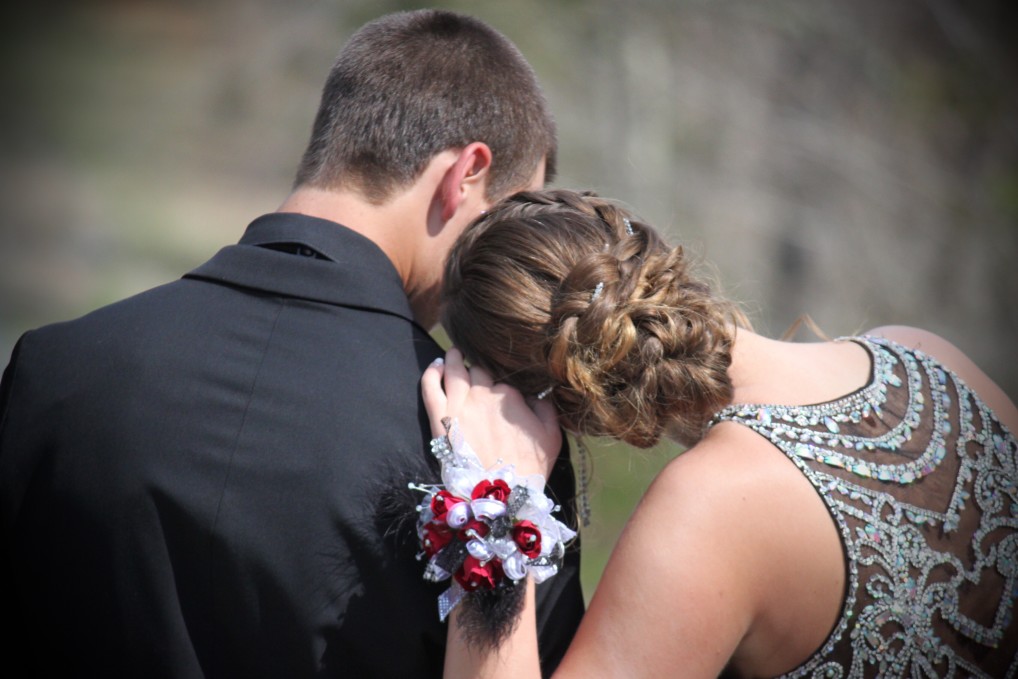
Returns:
(856,161)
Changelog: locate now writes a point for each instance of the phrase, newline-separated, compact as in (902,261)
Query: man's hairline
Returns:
(363,190)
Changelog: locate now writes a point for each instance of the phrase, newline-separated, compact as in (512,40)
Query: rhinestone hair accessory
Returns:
(485,529)
(600,286)
(544,393)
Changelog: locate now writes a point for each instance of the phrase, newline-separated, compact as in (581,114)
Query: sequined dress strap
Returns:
(921,480)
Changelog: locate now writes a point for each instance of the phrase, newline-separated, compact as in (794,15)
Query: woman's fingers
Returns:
(435,401)
(479,377)
(548,416)
(456,381)
(497,420)
(445,387)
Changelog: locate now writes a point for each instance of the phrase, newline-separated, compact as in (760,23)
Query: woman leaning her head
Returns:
(567,291)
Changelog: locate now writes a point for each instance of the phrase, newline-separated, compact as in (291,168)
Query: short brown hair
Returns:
(568,291)
(412,84)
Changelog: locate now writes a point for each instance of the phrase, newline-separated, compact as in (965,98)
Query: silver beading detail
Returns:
(911,566)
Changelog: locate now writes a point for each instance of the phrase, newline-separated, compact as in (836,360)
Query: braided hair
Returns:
(568,290)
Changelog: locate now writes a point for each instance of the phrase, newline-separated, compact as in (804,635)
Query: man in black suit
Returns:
(192,480)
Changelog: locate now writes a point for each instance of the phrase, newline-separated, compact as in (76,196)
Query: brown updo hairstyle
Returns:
(648,354)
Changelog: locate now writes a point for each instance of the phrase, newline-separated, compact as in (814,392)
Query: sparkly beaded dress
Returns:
(922,482)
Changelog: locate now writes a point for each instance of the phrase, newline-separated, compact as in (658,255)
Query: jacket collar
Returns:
(358,275)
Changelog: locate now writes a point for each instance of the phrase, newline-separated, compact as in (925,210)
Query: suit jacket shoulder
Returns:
(215,450)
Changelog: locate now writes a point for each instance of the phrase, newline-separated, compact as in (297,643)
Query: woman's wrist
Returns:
(516,656)
(486,530)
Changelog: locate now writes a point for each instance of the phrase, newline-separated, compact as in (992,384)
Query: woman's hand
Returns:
(497,422)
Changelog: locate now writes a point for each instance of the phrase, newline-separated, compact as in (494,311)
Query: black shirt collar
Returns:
(354,272)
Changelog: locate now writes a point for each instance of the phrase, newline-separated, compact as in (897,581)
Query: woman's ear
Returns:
(468,174)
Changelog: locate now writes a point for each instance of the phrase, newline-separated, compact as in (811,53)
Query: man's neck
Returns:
(397,226)
(374,222)
(417,225)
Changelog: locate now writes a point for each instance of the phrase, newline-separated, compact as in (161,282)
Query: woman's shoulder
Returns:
(721,528)
(730,458)
(686,547)
(954,359)
(724,485)
(927,342)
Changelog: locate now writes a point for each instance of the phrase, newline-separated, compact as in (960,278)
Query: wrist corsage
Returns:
(485,529)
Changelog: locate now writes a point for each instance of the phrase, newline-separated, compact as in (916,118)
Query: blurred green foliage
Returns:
(620,475)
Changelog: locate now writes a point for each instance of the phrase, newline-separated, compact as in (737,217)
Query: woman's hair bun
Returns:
(568,290)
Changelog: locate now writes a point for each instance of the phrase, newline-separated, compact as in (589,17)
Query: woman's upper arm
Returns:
(674,597)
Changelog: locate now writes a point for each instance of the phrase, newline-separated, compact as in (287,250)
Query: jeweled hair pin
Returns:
(600,286)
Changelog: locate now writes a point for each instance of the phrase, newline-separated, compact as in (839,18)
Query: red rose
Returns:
(493,490)
(441,503)
(475,575)
(436,536)
(477,525)
(528,538)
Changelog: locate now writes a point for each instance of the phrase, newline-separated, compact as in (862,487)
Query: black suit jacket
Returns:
(191,480)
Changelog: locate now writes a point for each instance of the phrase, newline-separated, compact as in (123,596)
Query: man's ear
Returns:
(468,173)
